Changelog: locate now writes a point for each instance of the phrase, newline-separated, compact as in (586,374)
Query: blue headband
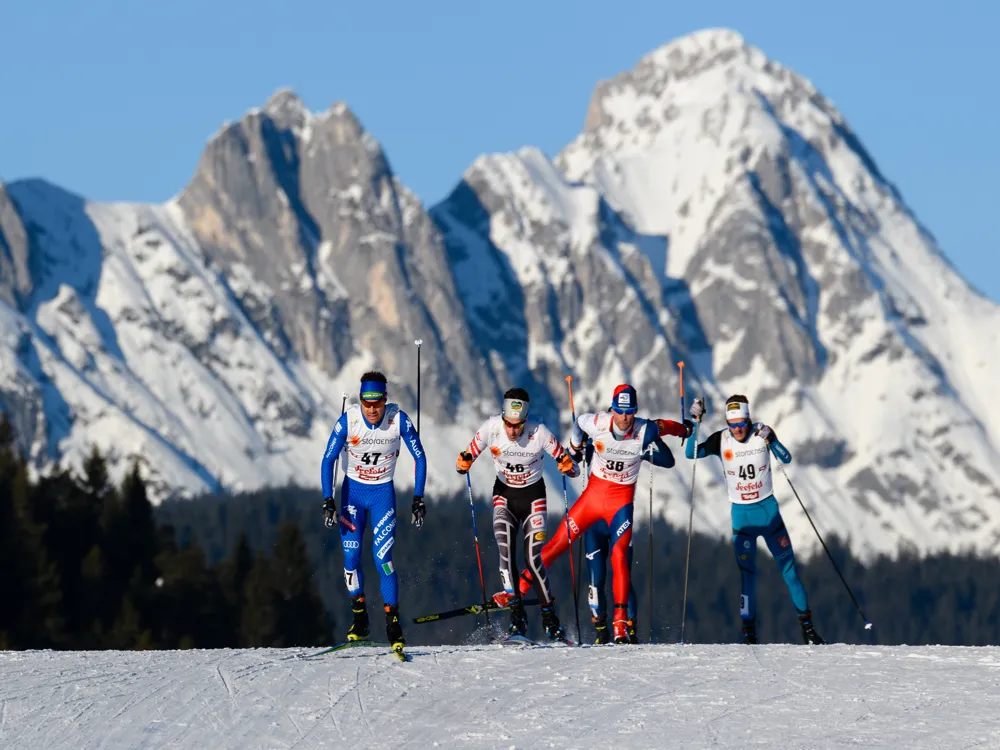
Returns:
(372,390)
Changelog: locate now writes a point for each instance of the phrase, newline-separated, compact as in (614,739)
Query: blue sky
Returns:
(115,100)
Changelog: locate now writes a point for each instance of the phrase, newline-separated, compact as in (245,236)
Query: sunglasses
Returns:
(622,411)
(739,425)
(513,425)
(372,404)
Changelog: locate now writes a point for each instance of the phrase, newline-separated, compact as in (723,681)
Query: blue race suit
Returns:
(368,489)
(752,520)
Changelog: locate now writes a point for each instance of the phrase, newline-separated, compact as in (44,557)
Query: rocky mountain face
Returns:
(716,209)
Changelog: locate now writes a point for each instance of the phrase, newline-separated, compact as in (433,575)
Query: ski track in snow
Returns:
(716,696)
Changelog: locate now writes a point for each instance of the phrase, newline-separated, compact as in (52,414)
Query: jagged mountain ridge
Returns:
(710,187)
(746,197)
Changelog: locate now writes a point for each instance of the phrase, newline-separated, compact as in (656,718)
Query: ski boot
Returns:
(809,634)
(359,628)
(749,632)
(630,628)
(518,619)
(620,624)
(601,626)
(550,622)
(393,630)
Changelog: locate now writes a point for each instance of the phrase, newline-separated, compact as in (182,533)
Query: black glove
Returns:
(689,426)
(576,453)
(419,511)
(330,515)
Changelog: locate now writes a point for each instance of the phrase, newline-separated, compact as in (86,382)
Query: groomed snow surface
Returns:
(491,696)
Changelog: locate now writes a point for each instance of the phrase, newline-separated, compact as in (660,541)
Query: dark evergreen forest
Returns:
(85,564)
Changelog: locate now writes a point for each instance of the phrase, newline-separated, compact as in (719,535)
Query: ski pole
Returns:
(479,557)
(680,366)
(650,542)
(336,468)
(585,473)
(868,624)
(687,561)
(418,342)
(569,536)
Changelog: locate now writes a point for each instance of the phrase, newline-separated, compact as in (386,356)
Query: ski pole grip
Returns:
(680,366)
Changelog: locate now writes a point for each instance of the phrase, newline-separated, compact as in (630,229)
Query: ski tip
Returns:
(517,639)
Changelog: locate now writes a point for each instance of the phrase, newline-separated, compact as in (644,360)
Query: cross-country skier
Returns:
(620,439)
(596,546)
(370,434)
(745,449)
(518,446)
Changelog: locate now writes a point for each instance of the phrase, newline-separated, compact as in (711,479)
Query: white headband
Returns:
(736,409)
(515,408)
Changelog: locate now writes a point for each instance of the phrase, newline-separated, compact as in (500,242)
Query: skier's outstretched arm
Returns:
(412,439)
(333,448)
(677,429)
(416,448)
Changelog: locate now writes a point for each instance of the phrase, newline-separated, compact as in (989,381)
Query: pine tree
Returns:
(302,619)
(91,633)
(70,510)
(129,546)
(232,575)
(31,615)
(259,624)
(128,632)
(190,607)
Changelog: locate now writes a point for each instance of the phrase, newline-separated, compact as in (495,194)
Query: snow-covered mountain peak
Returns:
(707,66)
(289,112)
(732,218)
